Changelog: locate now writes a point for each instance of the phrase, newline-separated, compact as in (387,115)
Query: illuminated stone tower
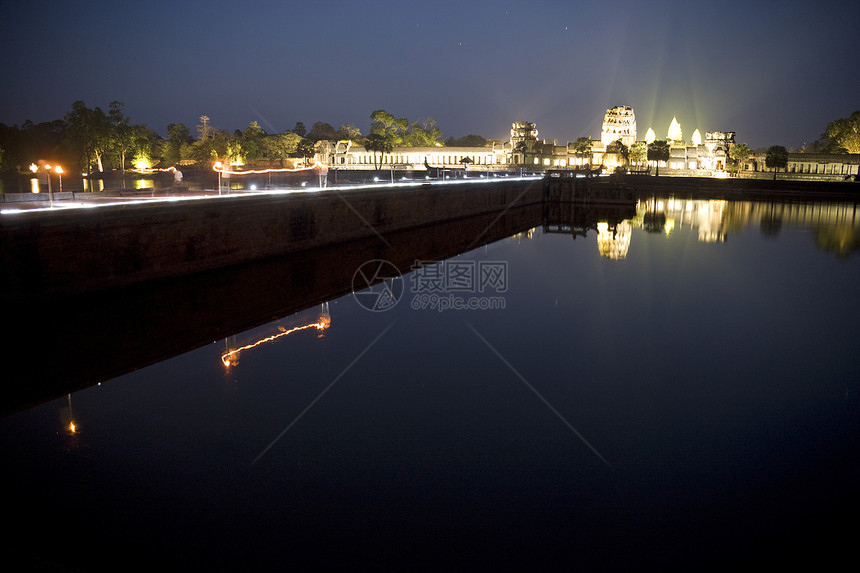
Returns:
(697,138)
(650,136)
(619,123)
(523,132)
(675,134)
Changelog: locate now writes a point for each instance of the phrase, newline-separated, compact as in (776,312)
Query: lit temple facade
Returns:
(619,124)
(700,158)
(525,152)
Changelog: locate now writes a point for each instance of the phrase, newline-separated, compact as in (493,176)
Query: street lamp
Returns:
(50,194)
(34,181)
(59,171)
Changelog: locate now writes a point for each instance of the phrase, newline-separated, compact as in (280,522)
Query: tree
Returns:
(213,146)
(300,129)
(842,135)
(380,145)
(306,149)
(252,141)
(89,132)
(47,140)
(385,124)
(401,133)
(470,140)
(281,145)
(582,149)
(178,140)
(658,151)
(144,142)
(423,133)
(234,152)
(638,152)
(322,132)
(740,154)
(776,158)
(122,133)
(619,150)
(204,130)
(348,132)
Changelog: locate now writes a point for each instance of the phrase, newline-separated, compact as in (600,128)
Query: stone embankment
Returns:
(52,253)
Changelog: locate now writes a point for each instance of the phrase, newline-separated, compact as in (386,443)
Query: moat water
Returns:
(678,388)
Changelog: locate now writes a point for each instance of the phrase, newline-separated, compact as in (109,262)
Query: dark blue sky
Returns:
(774,72)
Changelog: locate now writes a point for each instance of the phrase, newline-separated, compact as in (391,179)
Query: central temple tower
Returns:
(619,123)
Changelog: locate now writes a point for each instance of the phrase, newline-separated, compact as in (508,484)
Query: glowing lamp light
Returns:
(34,167)
(59,171)
(142,163)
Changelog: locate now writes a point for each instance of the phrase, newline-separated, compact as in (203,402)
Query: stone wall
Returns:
(62,252)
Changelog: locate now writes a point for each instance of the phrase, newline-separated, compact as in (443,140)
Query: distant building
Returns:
(809,167)
(619,123)
(346,155)
(523,133)
(718,144)
(525,152)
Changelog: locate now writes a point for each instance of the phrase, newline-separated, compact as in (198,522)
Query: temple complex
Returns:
(617,148)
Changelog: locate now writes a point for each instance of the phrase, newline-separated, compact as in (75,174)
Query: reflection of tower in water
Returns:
(230,346)
(614,242)
(73,427)
(325,319)
(233,350)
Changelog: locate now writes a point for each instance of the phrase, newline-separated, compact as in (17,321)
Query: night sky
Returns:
(774,72)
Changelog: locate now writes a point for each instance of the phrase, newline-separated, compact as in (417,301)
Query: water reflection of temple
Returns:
(708,217)
(613,243)
(836,225)
(610,222)
(233,351)
(525,235)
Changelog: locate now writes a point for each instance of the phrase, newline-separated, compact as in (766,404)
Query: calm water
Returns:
(678,389)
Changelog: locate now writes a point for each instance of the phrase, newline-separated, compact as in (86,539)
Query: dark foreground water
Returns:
(678,390)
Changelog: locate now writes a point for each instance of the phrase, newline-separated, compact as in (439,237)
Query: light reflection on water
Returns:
(705,349)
